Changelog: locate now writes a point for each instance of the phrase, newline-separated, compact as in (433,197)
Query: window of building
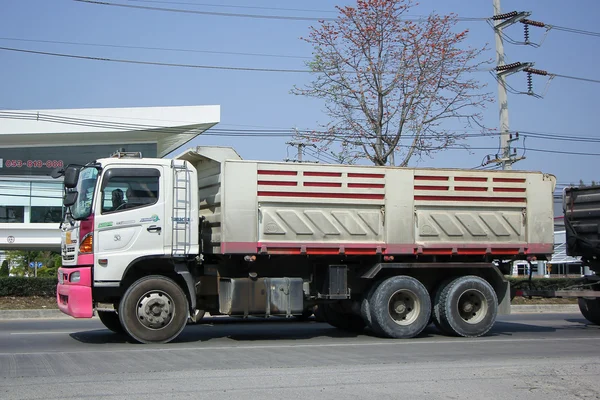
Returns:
(12,214)
(46,215)
(125,192)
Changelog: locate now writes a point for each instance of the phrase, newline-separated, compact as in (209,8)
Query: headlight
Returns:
(75,277)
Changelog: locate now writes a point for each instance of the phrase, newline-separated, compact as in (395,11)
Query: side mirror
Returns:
(71,177)
(70,199)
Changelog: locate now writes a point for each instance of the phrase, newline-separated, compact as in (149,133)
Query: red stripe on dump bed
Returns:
(472,198)
(366,196)
(272,172)
(507,189)
(323,184)
(469,179)
(470,189)
(467,251)
(420,187)
(430,178)
(385,248)
(510,180)
(313,173)
(366,185)
(277,183)
(361,175)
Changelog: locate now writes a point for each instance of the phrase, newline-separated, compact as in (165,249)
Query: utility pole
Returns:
(506,158)
(300,147)
(502,96)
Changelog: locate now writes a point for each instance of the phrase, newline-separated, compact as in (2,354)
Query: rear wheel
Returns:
(154,310)
(437,307)
(467,307)
(110,319)
(365,307)
(590,308)
(400,307)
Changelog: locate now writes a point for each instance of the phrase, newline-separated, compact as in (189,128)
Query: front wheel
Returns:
(110,319)
(154,310)
(590,308)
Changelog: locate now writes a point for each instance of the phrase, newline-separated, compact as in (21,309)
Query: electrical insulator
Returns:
(529,83)
(505,15)
(536,71)
(507,66)
(534,23)
(526,28)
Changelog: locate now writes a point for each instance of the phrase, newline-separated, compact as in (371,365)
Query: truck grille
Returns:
(69,254)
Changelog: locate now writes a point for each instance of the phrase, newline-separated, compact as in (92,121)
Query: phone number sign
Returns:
(33,163)
(42,160)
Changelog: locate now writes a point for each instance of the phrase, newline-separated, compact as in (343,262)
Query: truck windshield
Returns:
(85,189)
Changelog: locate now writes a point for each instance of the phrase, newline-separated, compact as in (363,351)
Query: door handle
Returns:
(154,228)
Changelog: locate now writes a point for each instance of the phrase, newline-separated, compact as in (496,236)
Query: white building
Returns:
(34,142)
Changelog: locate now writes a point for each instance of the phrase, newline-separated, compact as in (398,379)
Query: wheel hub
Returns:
(155,310)
(472,306)
(404,307)
(468,307)
(399,307)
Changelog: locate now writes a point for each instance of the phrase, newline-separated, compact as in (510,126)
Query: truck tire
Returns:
(467,307)
(111,321)
(341,320)
(400,307)
(590,308)
(365,308)
(154,310)
(436,308)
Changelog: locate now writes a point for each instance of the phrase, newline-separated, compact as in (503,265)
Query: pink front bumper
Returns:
(75,298)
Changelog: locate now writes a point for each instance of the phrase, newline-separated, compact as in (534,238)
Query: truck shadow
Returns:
(255,329)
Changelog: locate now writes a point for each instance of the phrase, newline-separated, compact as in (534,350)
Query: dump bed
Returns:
(581,207)
(255,207)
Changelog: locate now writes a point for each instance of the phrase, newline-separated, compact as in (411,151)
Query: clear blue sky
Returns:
(261,99)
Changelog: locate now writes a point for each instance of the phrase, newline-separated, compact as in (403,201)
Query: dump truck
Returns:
(150,245)
(581,212)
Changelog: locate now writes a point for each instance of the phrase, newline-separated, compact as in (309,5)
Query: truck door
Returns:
(129,220)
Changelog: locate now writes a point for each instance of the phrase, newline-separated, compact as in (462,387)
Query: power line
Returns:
(575,153)
(266,132)
(256,16)
(577,78)
(214,13)
(225,133)
(150,48)
(167,64)
(230,6)
(572,30)
(156,63)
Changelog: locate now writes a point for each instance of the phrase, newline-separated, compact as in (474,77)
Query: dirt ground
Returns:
(27,303)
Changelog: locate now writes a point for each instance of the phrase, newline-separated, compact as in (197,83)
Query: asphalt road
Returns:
(531,356)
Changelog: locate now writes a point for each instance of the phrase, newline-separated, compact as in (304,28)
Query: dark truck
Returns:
(581,209)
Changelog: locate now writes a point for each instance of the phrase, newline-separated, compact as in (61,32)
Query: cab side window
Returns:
(126,189)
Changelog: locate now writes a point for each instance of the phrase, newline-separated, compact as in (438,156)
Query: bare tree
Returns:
(390,84)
